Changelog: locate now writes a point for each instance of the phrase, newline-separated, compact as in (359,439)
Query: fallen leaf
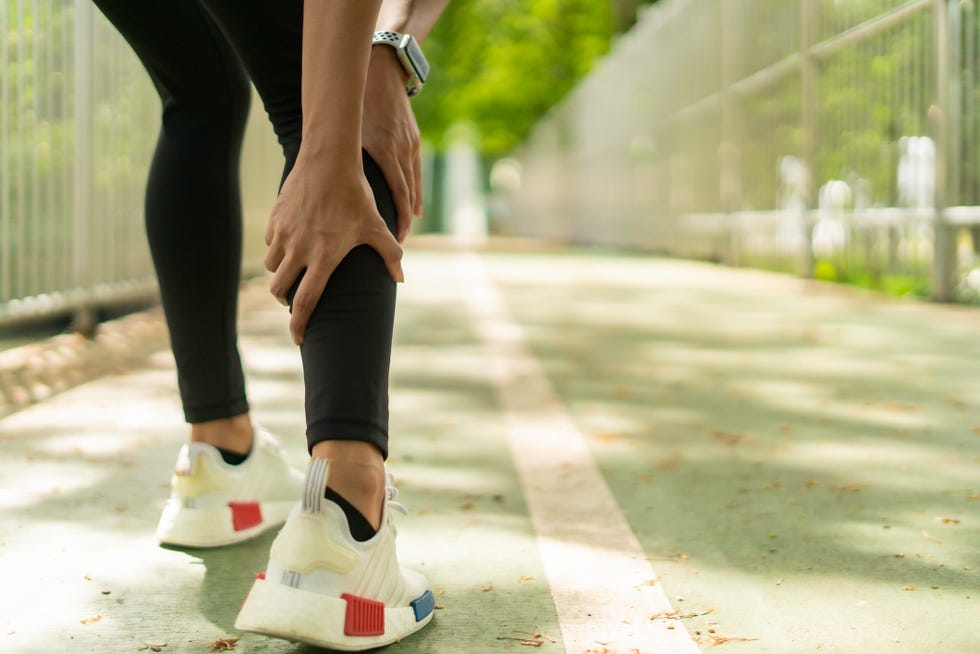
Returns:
(948,521)
(487,588)
(910,588)
(852,487)
(524,577)
(729,438)
(721,640)
(523,641)
(648,582)
(88,576)
(153,647)
(676,615)
(439,606)
(223,645)
(608,438)
(94,618)
(466,506)
(668,557)
(671,462)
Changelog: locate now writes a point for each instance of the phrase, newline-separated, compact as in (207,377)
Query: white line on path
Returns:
(595,565)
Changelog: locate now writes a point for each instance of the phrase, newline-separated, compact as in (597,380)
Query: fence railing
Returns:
(78,123)
(836,139)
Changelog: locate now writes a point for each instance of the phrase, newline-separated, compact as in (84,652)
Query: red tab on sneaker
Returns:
(245,514)
(364,617)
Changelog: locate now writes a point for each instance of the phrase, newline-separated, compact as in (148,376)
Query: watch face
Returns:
(416,58)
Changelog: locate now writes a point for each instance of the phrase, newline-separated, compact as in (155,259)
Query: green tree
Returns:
(501,64)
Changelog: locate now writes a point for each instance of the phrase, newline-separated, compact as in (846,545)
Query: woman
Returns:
(350,188)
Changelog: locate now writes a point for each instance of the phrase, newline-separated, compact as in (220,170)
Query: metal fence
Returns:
(836,138)
(78,123)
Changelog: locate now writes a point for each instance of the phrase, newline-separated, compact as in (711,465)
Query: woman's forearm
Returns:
(415,17)
(336,51)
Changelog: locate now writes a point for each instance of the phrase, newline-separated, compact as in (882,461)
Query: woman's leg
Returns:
(193,209)
(347,348)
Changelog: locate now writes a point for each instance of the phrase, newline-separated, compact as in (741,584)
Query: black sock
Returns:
(360,528)
(232,458)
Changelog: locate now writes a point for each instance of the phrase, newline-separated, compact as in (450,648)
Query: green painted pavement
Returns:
(792,455)
(774,445)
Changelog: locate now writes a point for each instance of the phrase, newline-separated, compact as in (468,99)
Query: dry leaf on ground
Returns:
(94,618)
(677,615)
(223,645)
(721,640)
(523,641)
(947,520)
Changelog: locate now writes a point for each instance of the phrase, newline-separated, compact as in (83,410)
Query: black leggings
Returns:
(200,55)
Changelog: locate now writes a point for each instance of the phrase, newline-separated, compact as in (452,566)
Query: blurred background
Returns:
(828,138)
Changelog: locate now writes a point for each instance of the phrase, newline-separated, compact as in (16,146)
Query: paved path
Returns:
(782,461)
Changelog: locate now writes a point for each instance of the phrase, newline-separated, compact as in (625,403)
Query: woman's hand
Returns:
(391,136)
(322,214)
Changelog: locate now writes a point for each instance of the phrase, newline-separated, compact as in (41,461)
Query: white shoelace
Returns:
(391,494)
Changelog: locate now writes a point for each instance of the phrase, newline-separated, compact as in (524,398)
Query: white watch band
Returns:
(406,49)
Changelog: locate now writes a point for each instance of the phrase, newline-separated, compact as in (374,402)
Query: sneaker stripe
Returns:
(316,482)
(245,514)
(364,617)
(424,605)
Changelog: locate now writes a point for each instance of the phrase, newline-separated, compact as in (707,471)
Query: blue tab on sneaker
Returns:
(423,605)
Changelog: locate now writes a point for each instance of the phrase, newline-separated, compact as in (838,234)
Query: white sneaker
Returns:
(324,588)
(213,503)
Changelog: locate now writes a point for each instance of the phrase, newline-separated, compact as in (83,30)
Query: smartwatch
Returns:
(409,55)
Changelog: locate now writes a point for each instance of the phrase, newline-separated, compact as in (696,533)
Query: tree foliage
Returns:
(501,64)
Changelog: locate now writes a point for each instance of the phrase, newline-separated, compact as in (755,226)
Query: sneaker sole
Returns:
(225,525)
(302,616)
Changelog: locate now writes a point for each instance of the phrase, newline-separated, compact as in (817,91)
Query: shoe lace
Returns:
(391,494)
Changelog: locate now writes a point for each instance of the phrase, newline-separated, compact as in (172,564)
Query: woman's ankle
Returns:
(357,473)
(234,434)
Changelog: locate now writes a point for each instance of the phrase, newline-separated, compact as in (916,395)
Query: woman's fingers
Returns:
(417,181)
(388,248)
(274,256)
(285,277)
(307,296)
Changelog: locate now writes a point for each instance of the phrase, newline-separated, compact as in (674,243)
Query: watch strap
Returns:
(398,41)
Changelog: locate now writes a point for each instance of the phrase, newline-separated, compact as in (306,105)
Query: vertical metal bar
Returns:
(66,155)
(22,282)
(942,114)
(36,218)
(50,196)
(809,18)
(83,161)
(728,177)
(6,268)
